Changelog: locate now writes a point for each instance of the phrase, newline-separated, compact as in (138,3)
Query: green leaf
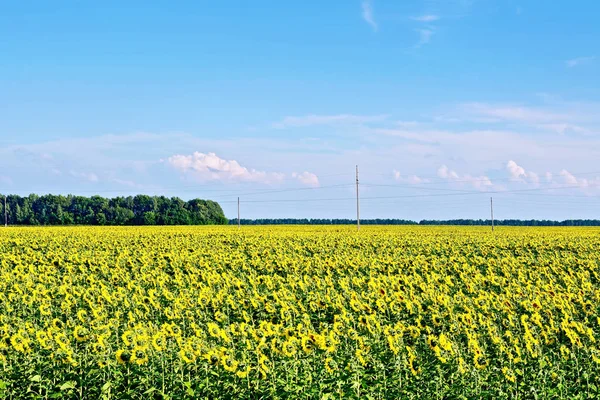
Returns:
(36,378)
(68,385)
(106,387)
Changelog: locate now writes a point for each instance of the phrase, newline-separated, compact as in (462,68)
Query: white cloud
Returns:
(519,173)
(307,178)
(88,176)
(426,18)
(312,120)
(515,170)
(478,182)
(210,167)
(424,36)
(367,13)
(571,180)
(412,179)
(574,62)
(445,173)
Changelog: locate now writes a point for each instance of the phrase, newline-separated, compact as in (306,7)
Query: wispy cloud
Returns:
(562,117)
(88,176)
(496,113)
(307,178)
(479,182)
(367,14)
(426,18)
(424,36)
(412,179)
(574,62)
(312,120)
(5,180)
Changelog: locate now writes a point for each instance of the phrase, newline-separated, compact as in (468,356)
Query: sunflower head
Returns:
(123,356)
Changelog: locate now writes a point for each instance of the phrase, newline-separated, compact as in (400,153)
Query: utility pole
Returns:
(357,203)
(5,213)
(492,212)
(238,213)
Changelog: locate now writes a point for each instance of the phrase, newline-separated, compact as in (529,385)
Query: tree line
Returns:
(319,221)
(505,222)
(96,210)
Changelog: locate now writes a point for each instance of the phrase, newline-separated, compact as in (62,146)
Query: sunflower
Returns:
(98,348)
(243,370)
(139,356)
(123,356)
(289,347)
(141,342)
(187,355)
(57,324)
(214,330)
(158,341)
(128,337)
(42,338)
(509,375)
(330,365)
(82,316)
(80,333)
(308,344)
(263,365)
(229,364)
(212,357)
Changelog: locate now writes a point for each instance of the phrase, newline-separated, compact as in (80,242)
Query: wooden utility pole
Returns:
(238,213)
(5,213)
(492,212)
(357,203)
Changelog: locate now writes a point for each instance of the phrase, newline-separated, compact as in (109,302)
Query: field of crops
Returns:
(299,312)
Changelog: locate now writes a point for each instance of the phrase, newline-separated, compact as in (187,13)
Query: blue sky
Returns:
(442,104)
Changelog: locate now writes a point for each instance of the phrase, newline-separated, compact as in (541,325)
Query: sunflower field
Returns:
(318,312)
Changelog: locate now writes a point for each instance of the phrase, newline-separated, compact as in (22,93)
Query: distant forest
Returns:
(504,222)
(132,210)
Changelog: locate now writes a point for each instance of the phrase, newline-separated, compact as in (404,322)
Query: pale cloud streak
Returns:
(558,117)
(426,18)
(313,120)
(496,113)
(87,176)
(574,62)
(424,36)
(367,13)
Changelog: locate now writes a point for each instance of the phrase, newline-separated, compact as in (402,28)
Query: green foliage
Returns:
(137,210)
(389,221)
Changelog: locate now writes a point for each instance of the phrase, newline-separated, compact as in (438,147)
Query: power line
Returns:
(412,196)
(484,179)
